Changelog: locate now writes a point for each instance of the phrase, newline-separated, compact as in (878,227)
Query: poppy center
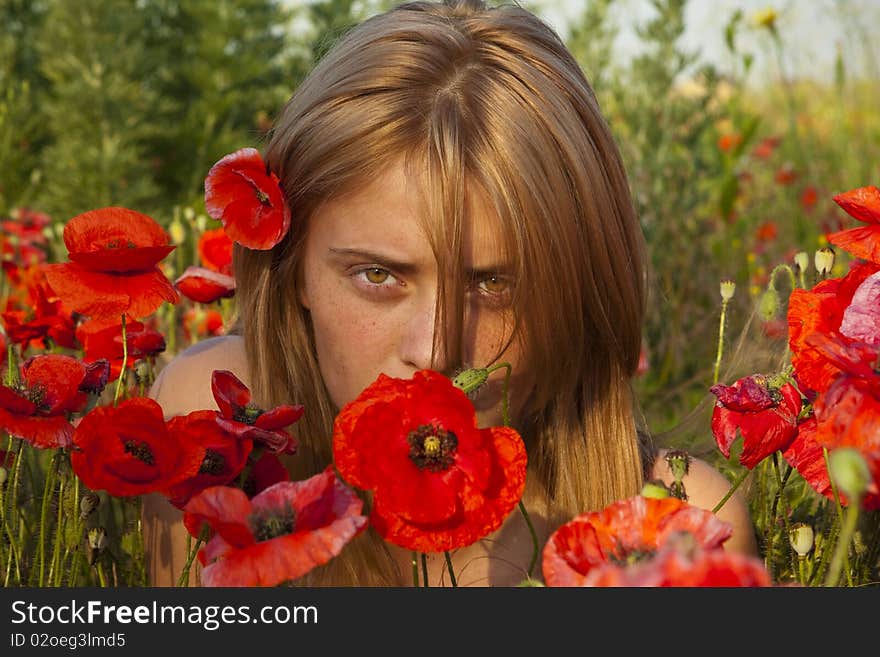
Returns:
(37,396)
(120,244)
(213,463)
(140,450)
(274,523)
(432,447)
(262,196)
(247,414)
(633,556)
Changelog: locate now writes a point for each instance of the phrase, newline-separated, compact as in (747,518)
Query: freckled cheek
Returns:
(353,343)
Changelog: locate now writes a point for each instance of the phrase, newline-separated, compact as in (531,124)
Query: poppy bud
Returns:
(678,461)
(201,223)
(471,379)
(97,538)
(850,472)
(141,370)
(655,489)
(769,304)
(728,287)
(4,475)
(529,582)
(189,214)
(801,538)
(88,503)
(824,260)
(801,260)
(766,18)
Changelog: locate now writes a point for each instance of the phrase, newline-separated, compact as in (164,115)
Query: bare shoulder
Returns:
(705,487)
(184,384)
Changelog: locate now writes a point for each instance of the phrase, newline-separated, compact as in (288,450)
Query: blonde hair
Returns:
(477,100)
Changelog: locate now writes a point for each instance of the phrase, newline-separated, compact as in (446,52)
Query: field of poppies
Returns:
(760,353)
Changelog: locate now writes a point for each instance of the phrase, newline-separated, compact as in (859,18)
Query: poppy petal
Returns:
(204,286)
(226,510)
(862,203)
(862,242)
(123,259)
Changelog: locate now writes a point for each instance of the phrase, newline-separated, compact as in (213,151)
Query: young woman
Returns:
(457,200)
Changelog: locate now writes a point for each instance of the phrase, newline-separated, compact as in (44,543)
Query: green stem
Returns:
(192,550)
(55,566)
(101,579)
(48,493)
(802,575)
(736,484)
(720,350)
(124,369)
(781,481)
(839,506)
(536,547)
(425,569)
(13,498)
(415,567)
(450,569)
(843,541)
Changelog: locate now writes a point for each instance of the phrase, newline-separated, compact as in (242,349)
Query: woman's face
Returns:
(370,284)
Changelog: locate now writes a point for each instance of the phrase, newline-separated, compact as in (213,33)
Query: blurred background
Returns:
(739,120)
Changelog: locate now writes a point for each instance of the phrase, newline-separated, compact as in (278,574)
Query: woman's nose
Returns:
(417,339)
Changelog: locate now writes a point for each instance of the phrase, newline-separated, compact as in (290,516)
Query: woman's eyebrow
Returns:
(378,258)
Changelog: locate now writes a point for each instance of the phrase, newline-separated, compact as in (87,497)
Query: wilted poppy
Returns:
(438,481)
(765,414)
(624,533)
(37,409)
(204,286)
(128,450)
(279,535)
(225,454)
(247,199)
(240,416)
(863,204)
(113,253)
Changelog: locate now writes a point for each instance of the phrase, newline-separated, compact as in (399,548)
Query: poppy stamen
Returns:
(432,447)
(272,524)
(247,414)
(140,450)
(213,463)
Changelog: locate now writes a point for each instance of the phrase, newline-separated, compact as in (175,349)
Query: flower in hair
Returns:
(247,199)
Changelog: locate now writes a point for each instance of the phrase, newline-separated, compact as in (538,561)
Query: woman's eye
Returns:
(494,285)
(376,275)
(375,279)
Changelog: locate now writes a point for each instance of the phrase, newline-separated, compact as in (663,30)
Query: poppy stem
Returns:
(841,550)
(415,566)
(13,505)
(184,574)
(449,568)
(48,494)
(505,404)
(122,372)
(720,349)
(425,569)
(840,517)
(11,372)
(736,484)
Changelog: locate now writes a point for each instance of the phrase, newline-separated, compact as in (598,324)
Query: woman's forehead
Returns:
(390,210)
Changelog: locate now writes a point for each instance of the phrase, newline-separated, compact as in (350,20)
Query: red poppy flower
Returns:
(862,204)
(625,532)
(728,141)
(247,199)
(438,481)
(848,415)
(128,450)
(240,416)
(225,454)
(27,225)
(785,175)
(204,286)
(766,147)
(37,410)
(113,253)
(279,535)
(45,319)
(103,340)
(809,198)
(767,231)
(765,415)
(674,566)
(202,322)
(821,310)
(807,457)
(215,251)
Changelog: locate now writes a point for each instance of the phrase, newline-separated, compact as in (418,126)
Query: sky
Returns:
(811,31)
